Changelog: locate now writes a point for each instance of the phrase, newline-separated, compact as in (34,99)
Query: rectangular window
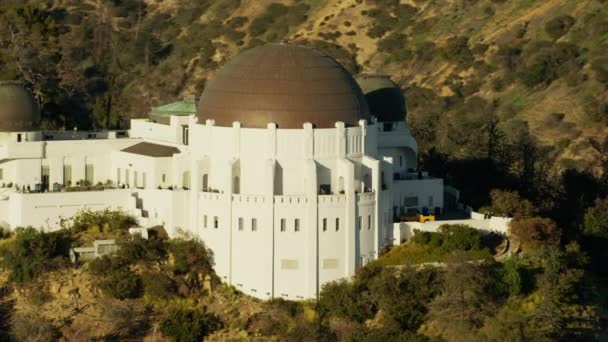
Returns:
(241,224)
(254,224)
(283,224)
(216,222)
(296,225)
(67,174)
(118,171)
(369,222)
(18,137)
(185,135)
(324,224)
(89,173)
(164,179)
(204,221)
(337,223)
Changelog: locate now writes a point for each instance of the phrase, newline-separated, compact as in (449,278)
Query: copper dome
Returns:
(18,109)
(384,97)
(286,84)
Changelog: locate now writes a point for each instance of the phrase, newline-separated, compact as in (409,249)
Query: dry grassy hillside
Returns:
(533,64)
(417,43)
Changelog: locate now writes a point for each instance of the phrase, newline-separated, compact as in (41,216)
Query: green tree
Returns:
(464,302)
(341,299)
(404,295)
(188,325)
(559,26)
(595,223)
(510,204)
(460,237)
(121,284)
(536,232)
(33,252)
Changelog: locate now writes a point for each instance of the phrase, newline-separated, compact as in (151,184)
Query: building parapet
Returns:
(237,198)
(366,197)
(290,199)
(332,199)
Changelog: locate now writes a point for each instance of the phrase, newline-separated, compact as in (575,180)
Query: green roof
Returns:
(185,107)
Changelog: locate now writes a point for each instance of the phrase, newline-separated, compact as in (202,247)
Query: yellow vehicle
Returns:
(426,218)
(417,217)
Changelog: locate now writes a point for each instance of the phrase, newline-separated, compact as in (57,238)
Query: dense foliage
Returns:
(33,252)
(184,325)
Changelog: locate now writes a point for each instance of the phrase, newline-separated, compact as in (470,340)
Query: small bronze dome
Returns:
(384,97)
(18,110)
(285,84)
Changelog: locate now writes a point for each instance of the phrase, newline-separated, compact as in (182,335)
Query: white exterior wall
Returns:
(46,210)
(279,174)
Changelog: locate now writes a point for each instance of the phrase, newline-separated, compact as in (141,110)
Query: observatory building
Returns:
(289,169)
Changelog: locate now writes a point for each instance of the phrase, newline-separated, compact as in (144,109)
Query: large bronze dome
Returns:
(384,97)
(18,109)
(285,84)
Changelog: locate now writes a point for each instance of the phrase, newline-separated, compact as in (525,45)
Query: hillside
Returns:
(481,76)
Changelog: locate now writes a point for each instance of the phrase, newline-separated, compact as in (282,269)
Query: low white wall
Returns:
(46,210)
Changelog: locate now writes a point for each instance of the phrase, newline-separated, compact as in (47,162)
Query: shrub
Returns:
(510,204)
(600,67)
(157,285)
(404,295)
(34,252)
(237,22)
(595,223)
(545,62)
(190,255)
(510,276)
(105,264)
(341,299)
(535,232)
(559,26)
(32,328)
(112,219)
(138,249)
(121,284)
(187,325)
(460,237)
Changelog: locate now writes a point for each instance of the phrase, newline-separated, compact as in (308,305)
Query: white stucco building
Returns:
(285,168)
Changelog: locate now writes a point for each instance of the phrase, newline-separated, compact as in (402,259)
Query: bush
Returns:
(535,232)
(595,223)
(105,264)
(600,67)
(121,284)
(510,204)
(138,249)
(510,277)
(187,325)
(341,299)
(34,252)
(545,63)
(112,220)
(33,329)
(190,255)
(460,237)
(559,26)
(158,285)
